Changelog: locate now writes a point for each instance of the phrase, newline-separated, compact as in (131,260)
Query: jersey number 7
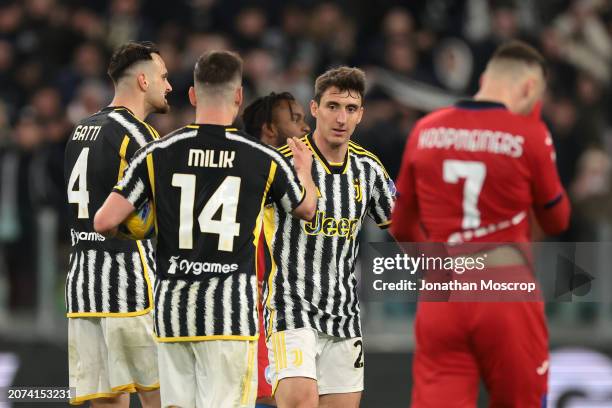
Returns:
(225,196)
(474,173)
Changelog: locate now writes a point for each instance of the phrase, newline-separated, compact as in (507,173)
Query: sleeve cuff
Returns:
(553,202)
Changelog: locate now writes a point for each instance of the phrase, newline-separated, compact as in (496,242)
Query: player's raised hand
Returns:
(302,155)
(302,160)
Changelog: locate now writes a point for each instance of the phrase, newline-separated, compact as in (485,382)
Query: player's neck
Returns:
(214,116)
(137,107)
(332,153)
(493,94)
(131,99)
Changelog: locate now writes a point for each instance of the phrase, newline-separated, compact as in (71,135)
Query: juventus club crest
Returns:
(357,186)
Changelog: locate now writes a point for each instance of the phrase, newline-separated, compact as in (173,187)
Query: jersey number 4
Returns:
(224,197)
(80,196)
(474,173)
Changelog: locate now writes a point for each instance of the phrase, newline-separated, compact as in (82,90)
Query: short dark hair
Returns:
(520,51)
(129,54)
(217,68)
(260,111)
(344,78)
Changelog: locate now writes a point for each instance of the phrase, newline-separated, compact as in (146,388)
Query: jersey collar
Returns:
(217,130)
(472,104)
(117,107)
(330,168)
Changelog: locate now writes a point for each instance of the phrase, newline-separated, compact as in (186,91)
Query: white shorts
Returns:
(336,363)
(211,373)
(111,355)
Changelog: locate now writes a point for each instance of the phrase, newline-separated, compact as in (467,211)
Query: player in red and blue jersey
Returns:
(473,172)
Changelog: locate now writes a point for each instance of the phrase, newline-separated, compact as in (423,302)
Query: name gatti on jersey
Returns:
(84,133)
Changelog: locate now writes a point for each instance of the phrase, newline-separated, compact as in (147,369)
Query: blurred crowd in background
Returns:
(54,55)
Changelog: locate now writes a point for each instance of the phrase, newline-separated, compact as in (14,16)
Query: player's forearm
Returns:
(554,219)
(114,210)
(307,209)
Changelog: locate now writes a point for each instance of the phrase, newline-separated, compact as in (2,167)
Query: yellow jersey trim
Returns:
(151,171)
(360,151)
(152,131)
(150,128)
(316,155)
(269,230)
(145,271)
(111,314)
(279,350)
(204,338)
(384,224)
(135,387)
(80,400)
(247,379)
(259,223)
(285,150)
(122,151)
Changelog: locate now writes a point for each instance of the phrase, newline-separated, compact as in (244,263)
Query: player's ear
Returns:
(268,129)
(528,88)
(314,107)
(238,97)
(141,79)
(192,96)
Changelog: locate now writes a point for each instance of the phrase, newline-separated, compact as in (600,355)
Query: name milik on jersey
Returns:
(211,158)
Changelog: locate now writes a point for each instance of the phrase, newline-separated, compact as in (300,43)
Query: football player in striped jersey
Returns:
(310,294)
(209,183)
(109,295)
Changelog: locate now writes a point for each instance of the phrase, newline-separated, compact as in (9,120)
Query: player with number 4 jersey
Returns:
(109,293)
(209,183)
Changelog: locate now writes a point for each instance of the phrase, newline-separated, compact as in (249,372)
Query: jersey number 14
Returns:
(224,197)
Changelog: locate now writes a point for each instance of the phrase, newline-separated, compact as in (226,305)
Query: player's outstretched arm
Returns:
(115,209)
(302,161)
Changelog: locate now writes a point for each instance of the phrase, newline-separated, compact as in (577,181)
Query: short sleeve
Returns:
(135,185)
(382,198)
(285,190)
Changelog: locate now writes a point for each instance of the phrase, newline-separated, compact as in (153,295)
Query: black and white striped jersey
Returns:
(311,282)
(107,277)
(209,184)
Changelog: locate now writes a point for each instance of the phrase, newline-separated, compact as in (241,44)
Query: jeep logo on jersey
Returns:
(184,267)
(328,226)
